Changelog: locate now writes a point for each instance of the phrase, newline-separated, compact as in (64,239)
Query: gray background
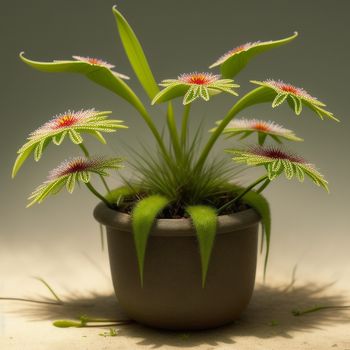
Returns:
(310,228)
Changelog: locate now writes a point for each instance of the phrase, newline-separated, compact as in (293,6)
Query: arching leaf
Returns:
(100,75)
(204,219)
(238,60)
(261,205)
(143,217)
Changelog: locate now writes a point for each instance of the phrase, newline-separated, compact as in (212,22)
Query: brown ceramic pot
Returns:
(172,296)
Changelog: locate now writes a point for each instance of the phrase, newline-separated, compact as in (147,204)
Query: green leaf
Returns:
(261,205)
(98,74)
(170,92)
(203,91)
(191,95)
(38,151)
(117,195)
(237,62)
(43,191)
(288,168)
(279,99)
(99,137)
(58,139)
(136,55)
(75,137)
(85,176)
(256,96)
(67,324)
(261,138)
(143,216)
(21,159)
(70,183)
(297,104)
(204,219)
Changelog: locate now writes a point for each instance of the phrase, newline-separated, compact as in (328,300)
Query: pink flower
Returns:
(193,86)
(71,171)
(263,128)
(277,161)
(296,96)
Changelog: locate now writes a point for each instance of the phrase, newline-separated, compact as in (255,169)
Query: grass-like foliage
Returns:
(178,179)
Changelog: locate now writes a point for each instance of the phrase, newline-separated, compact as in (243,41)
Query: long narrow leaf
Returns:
(204,219)
(261,205)
(136,55)
(143,217)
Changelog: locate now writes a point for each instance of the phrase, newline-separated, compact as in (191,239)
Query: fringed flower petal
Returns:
(246,127)
(278,161)
(296,97)
(70,172)
(193,86)
(69,123)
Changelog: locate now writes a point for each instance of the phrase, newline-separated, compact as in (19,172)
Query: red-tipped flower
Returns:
(276,161)
(246,127)
(296,97)
(71,171)
(194,85)
(71,124)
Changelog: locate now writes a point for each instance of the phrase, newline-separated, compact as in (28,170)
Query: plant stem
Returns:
(31,301)
(317,308)
(148,119)
(242,103)
(98,195)
(59,300)
(263,186)
(246,190)
(87,154)
(173,131)
(184,126)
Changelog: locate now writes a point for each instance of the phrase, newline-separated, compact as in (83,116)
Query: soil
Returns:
(177,210)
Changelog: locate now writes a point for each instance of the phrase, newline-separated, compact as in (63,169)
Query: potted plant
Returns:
(182,234)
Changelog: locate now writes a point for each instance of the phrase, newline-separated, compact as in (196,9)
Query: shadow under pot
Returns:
(172,296)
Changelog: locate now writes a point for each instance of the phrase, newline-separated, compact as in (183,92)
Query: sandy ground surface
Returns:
(82,281)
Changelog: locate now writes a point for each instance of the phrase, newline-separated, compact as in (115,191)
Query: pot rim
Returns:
(175,227)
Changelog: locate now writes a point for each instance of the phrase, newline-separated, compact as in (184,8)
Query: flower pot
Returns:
(172,296)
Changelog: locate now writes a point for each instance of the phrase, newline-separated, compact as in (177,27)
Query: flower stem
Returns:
(263,186)
(246,190)
(173,131)
(185,125)
(98,195)
(148,119)
(87,154)
(242,103)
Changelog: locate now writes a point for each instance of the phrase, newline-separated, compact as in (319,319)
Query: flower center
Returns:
(94,61)
(260,126)
(76,166)
(238,49)
(65,121)
(279,154)
(289,88)
(199,79)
